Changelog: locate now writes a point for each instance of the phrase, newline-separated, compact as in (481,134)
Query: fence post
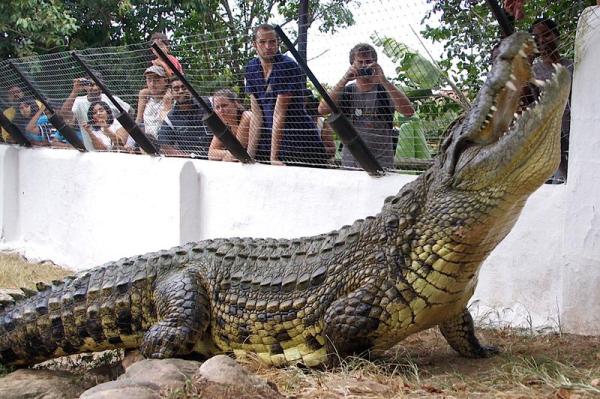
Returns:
(210,119)
(337,120)
(124,118)
(55,119)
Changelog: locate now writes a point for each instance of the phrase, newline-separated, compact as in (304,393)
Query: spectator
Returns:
(15,94)
(369,103)
(154,102)
(182,132)
(227,105)
(546,34)
(104,130)
(163,42)
(75,108)
(281,131)
(37,128)
(514,8)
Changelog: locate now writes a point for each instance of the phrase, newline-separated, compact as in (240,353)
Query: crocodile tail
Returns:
(105,308)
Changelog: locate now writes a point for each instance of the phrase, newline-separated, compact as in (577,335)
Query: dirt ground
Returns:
(530,365)
(423,366)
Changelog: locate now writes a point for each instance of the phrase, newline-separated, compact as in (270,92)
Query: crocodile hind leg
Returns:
(459,331)
(182,309)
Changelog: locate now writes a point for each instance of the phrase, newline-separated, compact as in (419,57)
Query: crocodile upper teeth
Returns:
(537,82)
(509,84)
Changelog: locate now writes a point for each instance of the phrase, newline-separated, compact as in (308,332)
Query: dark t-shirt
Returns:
(185,131)
(301,142)
(372,114)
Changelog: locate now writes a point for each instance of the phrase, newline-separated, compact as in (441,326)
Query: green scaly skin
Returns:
(364,287)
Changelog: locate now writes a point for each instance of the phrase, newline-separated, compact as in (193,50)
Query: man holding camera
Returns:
(75,108)
(369,103)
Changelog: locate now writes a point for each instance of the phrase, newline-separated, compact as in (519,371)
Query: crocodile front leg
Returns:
(351,321)
(459,331)
(182,309)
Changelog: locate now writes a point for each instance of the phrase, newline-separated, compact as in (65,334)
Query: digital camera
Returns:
(85,82)
(365,71)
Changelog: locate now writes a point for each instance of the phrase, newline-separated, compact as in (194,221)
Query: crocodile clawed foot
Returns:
(486,351)
(161,342)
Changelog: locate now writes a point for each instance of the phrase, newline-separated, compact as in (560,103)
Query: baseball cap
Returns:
(155,69)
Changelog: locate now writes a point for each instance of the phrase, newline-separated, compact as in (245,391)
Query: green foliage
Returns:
(33,26)
(421,79)
(333,15)
(4,370)
(223,45)
(469,31)
(211,37)
(413,70)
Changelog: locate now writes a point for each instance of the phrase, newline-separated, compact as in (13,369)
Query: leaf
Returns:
(411,140)
(421,72)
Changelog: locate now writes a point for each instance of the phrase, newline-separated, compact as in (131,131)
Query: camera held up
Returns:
(365,71)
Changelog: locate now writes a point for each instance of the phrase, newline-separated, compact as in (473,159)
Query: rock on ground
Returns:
(218,377)
(41,384)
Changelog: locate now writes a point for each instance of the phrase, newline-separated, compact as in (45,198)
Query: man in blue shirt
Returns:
(281,131)
(182,132)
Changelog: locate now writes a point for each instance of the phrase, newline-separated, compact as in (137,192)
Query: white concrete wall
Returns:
(84,209)
(581,273)
(81,210)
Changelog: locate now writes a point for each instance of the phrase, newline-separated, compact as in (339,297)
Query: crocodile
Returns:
(360,289)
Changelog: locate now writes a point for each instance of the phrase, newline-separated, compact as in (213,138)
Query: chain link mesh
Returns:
(224,71)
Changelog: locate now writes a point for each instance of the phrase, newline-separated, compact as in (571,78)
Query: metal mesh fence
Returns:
(420,64)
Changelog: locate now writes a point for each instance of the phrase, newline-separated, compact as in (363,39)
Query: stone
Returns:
(165,373)
(222,369)
(123,389)
(41,384)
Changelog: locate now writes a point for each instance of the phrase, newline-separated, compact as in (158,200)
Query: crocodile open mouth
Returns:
(512,74)
(499,135)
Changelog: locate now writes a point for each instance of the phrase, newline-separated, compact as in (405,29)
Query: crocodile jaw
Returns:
(495,146)
(488,167)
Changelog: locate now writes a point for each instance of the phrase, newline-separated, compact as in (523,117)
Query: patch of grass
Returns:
(423,366)
(16,272)
(4,370)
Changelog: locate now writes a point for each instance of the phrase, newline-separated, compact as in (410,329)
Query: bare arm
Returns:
(279,116)
(244,129)
(217,152)
(96,141)
(514,8)
(121,136)
(117,136)
(401,102)
(32,124)
(66,111)
(337,90)
(142,101)
(171,151)
(255,126)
